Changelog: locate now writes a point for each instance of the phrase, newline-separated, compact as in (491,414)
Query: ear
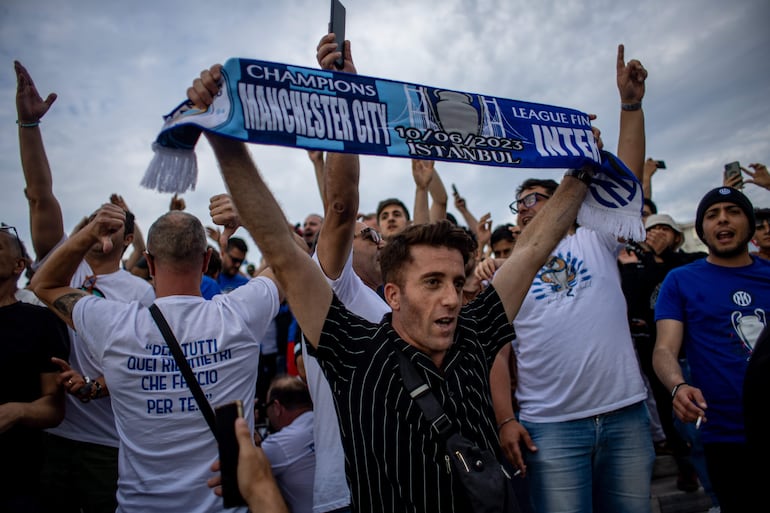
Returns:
(128,240)
(19,266)
(392,293)
(150,264)
(206,259)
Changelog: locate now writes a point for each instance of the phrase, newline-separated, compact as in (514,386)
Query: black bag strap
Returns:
(421,394)
(184,367)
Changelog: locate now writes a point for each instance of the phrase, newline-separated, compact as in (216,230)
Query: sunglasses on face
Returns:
(528,201)
(236,261)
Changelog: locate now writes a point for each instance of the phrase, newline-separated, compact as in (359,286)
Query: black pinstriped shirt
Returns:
(394,461)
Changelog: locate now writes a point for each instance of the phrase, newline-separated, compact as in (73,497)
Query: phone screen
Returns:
(228,452)
(734,169)
(337,26)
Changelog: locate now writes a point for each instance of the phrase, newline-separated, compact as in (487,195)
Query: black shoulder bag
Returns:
(487,485)
(231,495)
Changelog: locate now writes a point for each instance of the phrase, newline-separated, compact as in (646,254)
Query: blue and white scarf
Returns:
(270,103)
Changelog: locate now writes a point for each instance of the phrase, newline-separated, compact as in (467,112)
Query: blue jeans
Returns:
(597,464)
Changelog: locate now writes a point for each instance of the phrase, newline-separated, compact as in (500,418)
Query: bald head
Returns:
(178,240)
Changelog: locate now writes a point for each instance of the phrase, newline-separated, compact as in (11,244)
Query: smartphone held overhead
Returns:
(732,170)
(337,27)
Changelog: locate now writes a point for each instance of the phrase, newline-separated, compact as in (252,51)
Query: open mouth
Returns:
(725,236)
(445,323)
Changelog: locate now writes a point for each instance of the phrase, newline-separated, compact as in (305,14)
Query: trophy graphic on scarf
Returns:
(455,113)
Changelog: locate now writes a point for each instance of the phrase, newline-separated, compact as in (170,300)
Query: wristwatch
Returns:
(584,175)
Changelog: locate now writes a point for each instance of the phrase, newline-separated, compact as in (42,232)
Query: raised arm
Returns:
(317,158)
(45,216)
(462,207)
(422,172)
(301,280)
(535,244)
(138,245)
(650,168)
(51,282)
(341,176)
(631,140)
(438,196)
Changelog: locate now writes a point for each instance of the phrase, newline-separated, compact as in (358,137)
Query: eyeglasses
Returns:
(236,261)
(528,201)
(8,228)
(371,234)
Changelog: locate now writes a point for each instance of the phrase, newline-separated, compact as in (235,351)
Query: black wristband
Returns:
(584,175)
(676,389)
(631,106)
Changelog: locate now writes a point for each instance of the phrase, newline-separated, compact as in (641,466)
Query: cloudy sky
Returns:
(119,66)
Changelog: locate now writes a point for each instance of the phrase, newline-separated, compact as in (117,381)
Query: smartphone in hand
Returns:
(734,169)
(337,26)
(660,164)
(454,190)
(228,452)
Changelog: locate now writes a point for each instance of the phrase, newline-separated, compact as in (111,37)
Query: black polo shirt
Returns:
(394,461)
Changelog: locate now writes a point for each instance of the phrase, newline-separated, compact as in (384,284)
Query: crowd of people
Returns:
(569,355)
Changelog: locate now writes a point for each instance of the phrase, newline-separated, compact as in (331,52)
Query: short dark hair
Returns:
(652,205)
(291,392)
(392,201)
(396,252)
(546,183)
(502,232)
(237,243)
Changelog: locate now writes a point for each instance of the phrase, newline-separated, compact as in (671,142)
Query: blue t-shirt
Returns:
(230,283)
(209,287)
(723,310)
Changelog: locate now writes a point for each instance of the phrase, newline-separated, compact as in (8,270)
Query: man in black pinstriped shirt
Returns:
(394,461)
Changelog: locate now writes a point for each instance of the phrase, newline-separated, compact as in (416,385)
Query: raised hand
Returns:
(759,175)
(108,219)
(117,199)
(204,89)
(326,54)
(422,171)
(630,78)
(30,106)
(177,203)
(223,213)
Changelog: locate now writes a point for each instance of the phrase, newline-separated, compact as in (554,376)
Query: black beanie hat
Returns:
(724,195)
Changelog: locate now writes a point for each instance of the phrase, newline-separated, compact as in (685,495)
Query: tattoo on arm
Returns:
(66,303)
